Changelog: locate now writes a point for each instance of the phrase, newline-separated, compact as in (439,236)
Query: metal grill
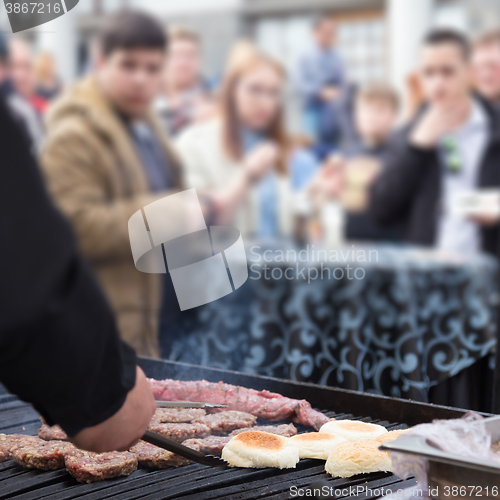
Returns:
(198,482)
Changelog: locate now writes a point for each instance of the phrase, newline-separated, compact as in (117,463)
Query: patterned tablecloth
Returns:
(386,320)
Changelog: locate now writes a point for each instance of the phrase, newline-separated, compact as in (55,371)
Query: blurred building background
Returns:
(378,38)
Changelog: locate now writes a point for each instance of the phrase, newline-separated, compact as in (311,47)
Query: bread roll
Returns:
(316,444)
(260,449)
(391,435)
(353,430)
(349,459)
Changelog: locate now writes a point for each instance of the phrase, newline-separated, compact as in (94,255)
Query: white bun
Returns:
(391,435)
(353,430)
(349,459)
(316,444)
(260,449)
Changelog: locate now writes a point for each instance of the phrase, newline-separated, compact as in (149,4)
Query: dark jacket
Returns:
(361,226)
(59,345)
(409,187)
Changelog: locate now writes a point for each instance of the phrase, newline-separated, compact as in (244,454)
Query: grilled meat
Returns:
(8,442)
(89,467)
(285,430)
(211,445)
(177,415)
(43,455)
(264,404)
(52,433)
(180,432)
(227,421)
(153,457)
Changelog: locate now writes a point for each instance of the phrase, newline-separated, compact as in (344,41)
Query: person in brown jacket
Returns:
(106,157)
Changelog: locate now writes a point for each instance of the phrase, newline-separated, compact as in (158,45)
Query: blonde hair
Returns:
(379,91)
(240,52)
(181,33)
(244,59)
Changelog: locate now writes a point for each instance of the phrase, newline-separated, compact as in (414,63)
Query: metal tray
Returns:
(451,475)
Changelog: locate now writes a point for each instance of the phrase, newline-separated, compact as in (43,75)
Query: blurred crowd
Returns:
(144,122)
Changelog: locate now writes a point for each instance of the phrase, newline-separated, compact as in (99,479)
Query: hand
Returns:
(329,94)
(260,161)
(226,200)
(486,220)
(204,110)
(126,426)
(436,122)
(330,179)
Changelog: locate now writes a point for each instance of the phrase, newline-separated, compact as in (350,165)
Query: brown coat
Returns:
(96,177)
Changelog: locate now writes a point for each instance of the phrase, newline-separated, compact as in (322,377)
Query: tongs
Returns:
(187,404)
(183,451)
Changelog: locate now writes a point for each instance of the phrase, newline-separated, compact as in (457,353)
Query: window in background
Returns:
(452,16)
(285,38)
(361,40)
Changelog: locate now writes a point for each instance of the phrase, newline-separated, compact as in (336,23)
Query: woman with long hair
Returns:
(244,158)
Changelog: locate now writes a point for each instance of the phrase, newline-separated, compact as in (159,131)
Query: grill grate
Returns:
(192,482)
(198,482)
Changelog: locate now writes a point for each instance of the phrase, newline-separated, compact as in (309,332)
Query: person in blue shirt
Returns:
(320,77)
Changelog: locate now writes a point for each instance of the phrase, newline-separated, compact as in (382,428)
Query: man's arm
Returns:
(59,346)
(411,153)
(404,166)
(126,426)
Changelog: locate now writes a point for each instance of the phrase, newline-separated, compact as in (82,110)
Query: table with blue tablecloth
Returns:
(403,322)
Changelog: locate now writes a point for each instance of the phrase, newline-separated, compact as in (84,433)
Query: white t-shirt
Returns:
(455,232)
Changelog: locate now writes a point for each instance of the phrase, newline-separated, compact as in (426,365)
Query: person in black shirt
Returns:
(59,345)
(486,66)
(448,152)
